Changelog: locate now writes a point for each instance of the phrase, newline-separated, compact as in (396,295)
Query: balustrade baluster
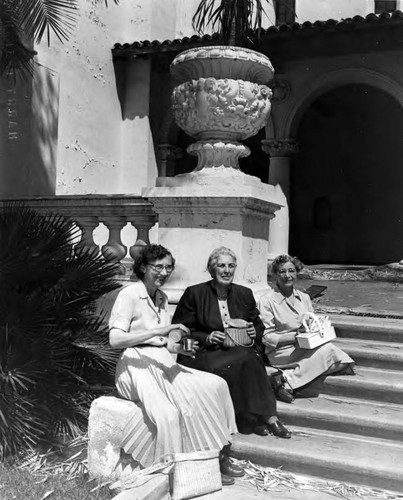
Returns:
(114,250)
(87,226)
(143,230)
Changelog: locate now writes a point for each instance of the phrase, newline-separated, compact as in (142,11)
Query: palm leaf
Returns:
(45,16)
(233,19)
(53,340)
(14,53)
(23,21)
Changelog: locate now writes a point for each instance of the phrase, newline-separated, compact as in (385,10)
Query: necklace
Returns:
(222,296)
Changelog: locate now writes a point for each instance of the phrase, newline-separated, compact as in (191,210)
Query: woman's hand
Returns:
(216,337)
(184,329)
(251,331)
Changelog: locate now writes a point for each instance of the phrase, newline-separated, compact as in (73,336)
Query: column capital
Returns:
(280,147)
(281,89)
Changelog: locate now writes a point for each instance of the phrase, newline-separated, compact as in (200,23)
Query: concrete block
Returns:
(157,488)
(108,416)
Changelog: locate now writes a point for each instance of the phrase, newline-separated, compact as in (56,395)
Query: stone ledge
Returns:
(108,416)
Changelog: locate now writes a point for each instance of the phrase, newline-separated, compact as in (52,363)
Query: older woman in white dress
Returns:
(281,309)
(178,409)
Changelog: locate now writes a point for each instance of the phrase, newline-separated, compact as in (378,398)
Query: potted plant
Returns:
(234,19)
(221,95)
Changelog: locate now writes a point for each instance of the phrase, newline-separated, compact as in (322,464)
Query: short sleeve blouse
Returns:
(134,311)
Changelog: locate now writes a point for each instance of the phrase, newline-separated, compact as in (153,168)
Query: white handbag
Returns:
(318,331)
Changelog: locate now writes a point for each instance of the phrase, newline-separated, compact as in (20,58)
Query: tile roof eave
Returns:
(307,28)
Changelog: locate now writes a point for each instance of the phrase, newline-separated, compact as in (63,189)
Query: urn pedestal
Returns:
(213,207)
(220,99)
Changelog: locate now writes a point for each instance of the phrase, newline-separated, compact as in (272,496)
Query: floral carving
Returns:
(221,108)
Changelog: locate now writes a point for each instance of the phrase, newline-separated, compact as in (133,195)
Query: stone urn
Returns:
(220,99)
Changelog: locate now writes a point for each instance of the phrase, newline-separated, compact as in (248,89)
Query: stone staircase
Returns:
(346,428)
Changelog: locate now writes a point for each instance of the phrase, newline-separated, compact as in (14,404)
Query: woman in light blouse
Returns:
(178,409)
(281,309)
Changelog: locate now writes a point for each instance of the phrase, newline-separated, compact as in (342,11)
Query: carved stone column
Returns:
(280,152)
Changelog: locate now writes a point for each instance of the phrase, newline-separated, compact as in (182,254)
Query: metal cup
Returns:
(187,344)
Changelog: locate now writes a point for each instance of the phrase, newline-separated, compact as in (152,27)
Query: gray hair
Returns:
(212,260)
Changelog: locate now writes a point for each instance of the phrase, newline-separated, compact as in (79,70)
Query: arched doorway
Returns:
(346,182)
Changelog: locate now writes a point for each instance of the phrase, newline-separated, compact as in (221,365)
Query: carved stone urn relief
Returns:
(220,99)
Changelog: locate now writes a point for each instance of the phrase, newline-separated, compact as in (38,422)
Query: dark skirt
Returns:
(245,373)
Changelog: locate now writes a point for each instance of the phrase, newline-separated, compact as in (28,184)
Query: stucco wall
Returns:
(28,134)
(72,138)
(98,152)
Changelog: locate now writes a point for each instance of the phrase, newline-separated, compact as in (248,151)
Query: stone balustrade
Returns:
(89,211)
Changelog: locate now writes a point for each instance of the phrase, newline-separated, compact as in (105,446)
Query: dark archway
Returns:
(346,182)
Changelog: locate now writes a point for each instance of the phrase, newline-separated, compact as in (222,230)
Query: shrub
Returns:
(54,347)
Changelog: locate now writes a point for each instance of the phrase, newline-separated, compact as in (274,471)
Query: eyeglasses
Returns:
(160,267)
(223,266)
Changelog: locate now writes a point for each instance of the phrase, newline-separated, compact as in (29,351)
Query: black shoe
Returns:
(285,395)
(261,430)
(226,480)
(278,429)
(229,469)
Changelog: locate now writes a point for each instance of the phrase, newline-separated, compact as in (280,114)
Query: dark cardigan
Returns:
(198,310)
(241,367)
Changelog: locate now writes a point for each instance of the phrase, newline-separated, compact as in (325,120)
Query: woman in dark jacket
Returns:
(207,309)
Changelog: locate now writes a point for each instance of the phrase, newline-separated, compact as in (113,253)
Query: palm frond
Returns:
(45,16)
(14,54)
(53,339)
(233,19)
(23,21)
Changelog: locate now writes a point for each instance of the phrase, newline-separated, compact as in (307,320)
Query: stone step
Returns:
(359,327)
(373,384)
(373,353)
(331,455)
(348,415)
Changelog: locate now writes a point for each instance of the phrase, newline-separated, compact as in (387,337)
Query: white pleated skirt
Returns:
(177,409)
